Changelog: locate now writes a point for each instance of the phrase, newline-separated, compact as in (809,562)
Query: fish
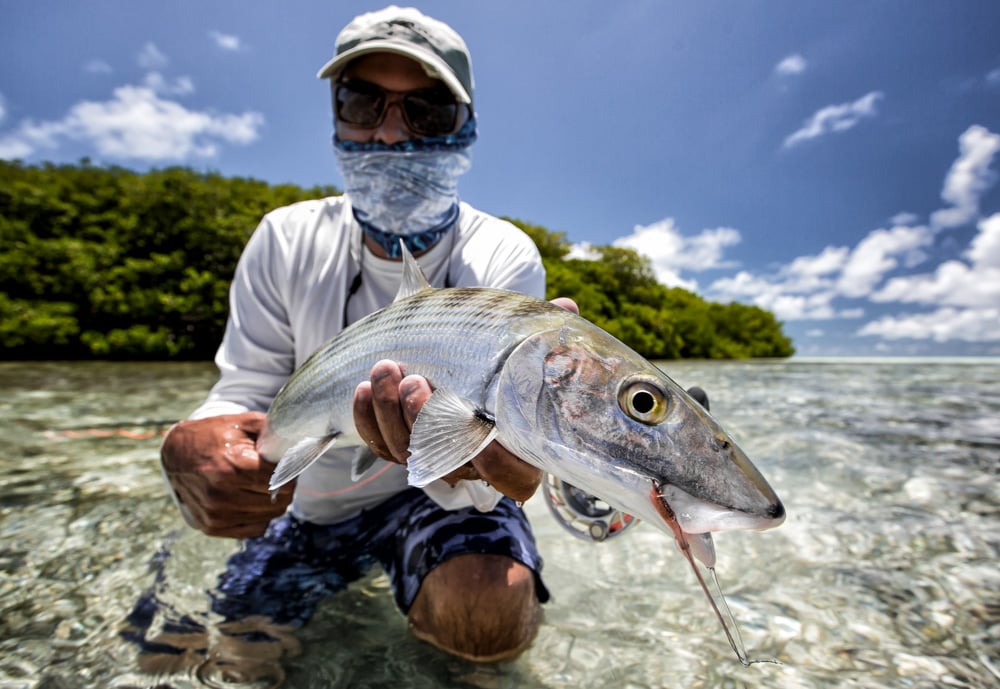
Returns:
(551,387)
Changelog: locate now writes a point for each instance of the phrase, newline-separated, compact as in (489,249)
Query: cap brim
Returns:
(437,67)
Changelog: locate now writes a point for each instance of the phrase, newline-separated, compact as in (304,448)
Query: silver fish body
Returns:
(554,389)
(456,338)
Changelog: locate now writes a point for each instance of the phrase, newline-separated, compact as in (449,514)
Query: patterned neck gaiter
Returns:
(408,190)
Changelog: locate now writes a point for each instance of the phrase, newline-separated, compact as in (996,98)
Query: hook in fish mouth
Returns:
(695,516)
(701,547)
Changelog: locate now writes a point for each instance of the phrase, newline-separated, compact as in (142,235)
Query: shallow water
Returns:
(884,575)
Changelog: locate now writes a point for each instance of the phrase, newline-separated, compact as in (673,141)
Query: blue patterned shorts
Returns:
(287,572)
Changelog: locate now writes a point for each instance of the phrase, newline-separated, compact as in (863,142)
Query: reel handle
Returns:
(585,516)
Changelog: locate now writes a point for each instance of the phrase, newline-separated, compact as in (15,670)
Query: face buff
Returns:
(407,190)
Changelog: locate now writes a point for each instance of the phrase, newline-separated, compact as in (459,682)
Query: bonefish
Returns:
(551,387)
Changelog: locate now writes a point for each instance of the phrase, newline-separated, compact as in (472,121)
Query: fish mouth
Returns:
(696,516)
(692,521)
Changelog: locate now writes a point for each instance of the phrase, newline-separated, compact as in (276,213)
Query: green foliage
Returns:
(619,292)
(107,263)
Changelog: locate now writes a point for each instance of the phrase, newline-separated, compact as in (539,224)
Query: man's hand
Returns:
(386,407)
(218,478)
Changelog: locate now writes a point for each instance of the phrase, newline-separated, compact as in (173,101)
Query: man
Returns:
(468,580)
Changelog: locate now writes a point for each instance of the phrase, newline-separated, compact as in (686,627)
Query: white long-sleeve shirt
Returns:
(291,293)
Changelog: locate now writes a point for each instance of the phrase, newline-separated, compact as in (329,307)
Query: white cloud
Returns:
(878,254)
(993,76)
(961,293)
(835,118)
(808,270)
(954,283)
(181,86)
(841,282)
(942,325)
(808,286)
(791,65)
(97,67)
(136,124)
(789,297)
(671,252)
(968,178)
(26,140)
(984,250)
(904,219)
(583,251)
(14,149)
(150,57)
(226,41)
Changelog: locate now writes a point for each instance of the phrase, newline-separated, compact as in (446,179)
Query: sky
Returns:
(834,162)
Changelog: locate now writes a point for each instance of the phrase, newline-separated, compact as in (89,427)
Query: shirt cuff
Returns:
(478,494)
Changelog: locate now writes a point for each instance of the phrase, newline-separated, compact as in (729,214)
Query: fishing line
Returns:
(347,489)
(735,643)
(738,648)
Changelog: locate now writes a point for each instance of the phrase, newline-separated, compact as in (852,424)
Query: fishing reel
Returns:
(582,514)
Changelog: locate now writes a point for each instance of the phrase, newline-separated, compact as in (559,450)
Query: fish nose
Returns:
(778,512)
(766,503)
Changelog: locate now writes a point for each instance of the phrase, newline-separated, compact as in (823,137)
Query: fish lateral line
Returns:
(735,641)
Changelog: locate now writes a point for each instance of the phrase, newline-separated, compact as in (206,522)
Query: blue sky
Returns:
(836,163)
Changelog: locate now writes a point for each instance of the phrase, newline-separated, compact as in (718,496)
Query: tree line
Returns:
(620,293)
(107,263)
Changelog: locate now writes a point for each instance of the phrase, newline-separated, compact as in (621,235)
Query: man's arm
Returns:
(219,481)
(210,462)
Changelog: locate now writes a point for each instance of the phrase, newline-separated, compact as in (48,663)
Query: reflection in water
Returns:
(883,575)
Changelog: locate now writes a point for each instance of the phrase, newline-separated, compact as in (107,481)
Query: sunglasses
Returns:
(426,112)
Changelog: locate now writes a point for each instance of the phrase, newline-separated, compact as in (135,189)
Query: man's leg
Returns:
(479,607)
(285,574)
(468,581)
(272,585)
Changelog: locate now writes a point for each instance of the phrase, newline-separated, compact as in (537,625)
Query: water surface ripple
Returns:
(884,575)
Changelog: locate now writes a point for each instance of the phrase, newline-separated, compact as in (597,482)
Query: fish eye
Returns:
(643,401)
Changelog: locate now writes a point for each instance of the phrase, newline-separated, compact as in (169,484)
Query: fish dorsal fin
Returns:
(414,279)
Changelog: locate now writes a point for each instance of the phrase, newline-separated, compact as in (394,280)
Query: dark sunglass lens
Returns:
(432,113)
(359,106)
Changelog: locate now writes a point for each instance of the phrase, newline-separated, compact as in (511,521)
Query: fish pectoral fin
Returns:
(298,457)
(448,432)
(363,461)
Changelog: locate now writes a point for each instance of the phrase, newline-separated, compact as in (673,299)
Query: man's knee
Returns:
(480,607)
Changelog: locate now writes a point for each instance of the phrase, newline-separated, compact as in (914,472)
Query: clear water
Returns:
(885,574)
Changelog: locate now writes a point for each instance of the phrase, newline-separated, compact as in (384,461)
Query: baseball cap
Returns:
(409,32)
